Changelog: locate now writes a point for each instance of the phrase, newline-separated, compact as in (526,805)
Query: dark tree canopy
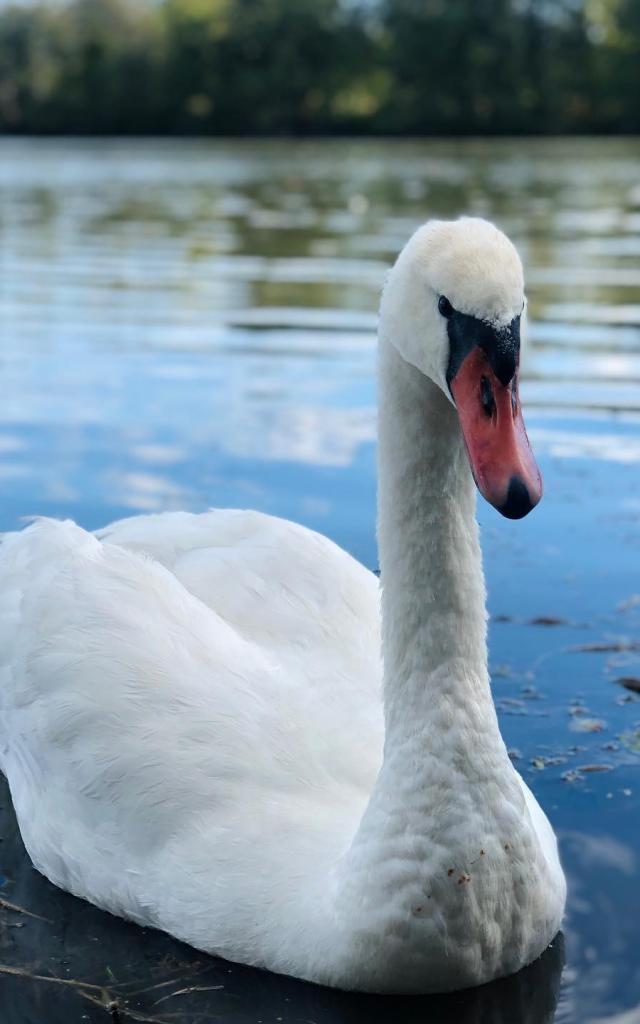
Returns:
(320,66)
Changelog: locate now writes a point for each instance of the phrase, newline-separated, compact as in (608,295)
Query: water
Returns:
(192,324)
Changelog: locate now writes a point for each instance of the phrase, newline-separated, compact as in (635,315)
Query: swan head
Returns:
(453,307)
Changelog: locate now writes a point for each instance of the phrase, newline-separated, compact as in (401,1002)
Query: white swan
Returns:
(196,724)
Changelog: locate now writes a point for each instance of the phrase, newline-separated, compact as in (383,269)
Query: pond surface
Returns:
(190,324)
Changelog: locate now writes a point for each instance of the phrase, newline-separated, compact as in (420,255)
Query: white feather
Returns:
(199,735)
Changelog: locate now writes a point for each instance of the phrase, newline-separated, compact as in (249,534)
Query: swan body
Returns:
(222,726)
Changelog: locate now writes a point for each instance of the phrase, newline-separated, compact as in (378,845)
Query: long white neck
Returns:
(433,604)
(433,594)
(444,758)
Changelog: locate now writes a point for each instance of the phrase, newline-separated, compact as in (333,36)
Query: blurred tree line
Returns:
(320,66)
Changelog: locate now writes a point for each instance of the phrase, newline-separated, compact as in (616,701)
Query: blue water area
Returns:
(191,324)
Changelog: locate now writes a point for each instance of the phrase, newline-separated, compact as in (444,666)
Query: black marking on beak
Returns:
(501,345)
(518,503)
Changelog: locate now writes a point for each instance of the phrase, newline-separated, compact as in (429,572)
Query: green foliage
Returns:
(304,66)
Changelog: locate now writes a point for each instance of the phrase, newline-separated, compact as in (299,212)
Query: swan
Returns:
(223,726)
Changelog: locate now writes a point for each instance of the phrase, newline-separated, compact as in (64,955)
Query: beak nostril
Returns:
(486,396)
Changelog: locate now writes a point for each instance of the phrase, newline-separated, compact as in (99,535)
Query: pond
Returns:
(186,324)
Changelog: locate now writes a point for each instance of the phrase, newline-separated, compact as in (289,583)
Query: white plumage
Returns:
(191,708)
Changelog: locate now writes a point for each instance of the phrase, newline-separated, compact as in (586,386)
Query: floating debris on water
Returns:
(542,761)
(588,725)
(607,645)
(577,708)
(631,740)
(629,682)
(502,672)
(578,774)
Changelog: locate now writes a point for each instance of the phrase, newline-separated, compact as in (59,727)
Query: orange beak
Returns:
(502,462)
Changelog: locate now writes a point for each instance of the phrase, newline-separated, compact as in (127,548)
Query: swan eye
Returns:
(445,307)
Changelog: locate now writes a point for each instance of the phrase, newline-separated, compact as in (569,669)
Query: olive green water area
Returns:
(189,324)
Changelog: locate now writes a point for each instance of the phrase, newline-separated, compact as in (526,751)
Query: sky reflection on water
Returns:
(191,324)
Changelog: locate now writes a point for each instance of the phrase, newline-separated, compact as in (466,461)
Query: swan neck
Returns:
(433,593)
(444,759)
